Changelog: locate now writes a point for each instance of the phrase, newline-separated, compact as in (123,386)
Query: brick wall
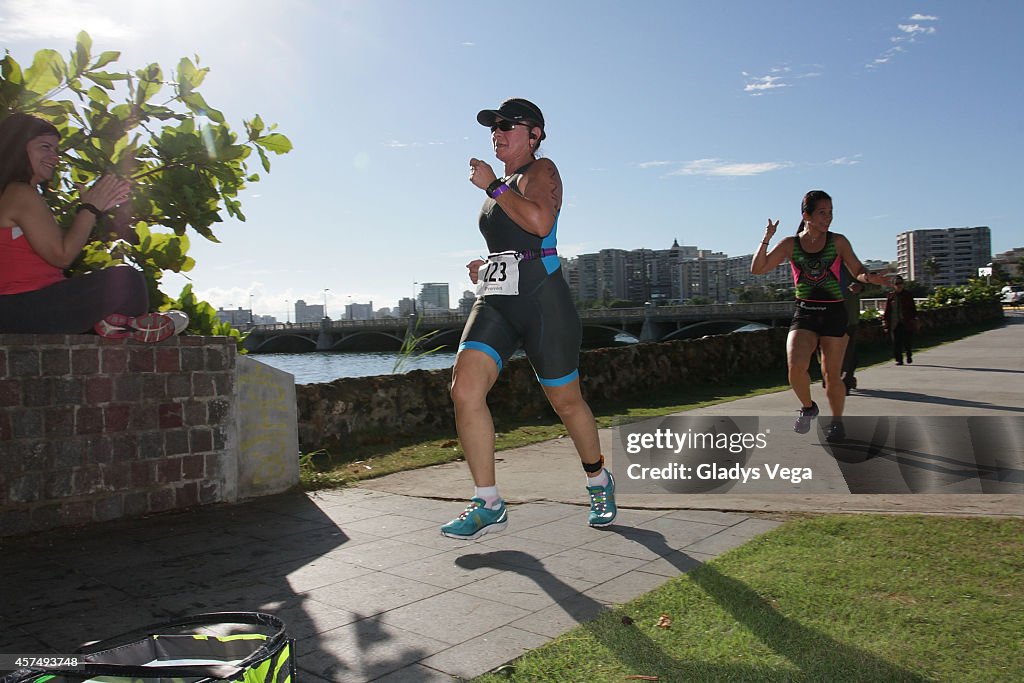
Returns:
(94,429)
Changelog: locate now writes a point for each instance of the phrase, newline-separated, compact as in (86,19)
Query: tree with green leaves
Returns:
(186,164)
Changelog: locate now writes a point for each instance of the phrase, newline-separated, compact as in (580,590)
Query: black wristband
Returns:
(85,206)
(494,186)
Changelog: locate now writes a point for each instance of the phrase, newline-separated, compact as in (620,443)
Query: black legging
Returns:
(74,305)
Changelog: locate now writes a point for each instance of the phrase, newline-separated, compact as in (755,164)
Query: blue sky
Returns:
(694,121)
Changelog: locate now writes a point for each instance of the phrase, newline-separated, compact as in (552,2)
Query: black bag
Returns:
(163,656)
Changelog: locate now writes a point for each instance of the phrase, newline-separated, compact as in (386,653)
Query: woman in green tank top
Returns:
(816,257)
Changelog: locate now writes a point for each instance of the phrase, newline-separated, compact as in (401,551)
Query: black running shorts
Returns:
(824,318)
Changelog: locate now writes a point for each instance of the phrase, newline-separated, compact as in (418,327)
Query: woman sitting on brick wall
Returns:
(35,295)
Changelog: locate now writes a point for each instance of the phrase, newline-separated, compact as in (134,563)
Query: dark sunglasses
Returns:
(506,125)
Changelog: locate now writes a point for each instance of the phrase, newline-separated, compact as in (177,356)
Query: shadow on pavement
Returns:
(817,656)
(914,397)
(65,588)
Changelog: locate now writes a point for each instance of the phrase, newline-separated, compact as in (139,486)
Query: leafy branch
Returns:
(187,164)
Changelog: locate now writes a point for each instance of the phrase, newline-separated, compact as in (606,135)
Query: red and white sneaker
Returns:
(114,326)
(147,328)
(150,328)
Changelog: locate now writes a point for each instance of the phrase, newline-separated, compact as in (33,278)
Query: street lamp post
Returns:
(325,300)
(251,317)
(287,312)
(414,297)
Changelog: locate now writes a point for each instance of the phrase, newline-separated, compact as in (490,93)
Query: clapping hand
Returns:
(107,192)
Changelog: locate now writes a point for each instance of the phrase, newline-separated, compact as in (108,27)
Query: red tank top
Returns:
(21,268)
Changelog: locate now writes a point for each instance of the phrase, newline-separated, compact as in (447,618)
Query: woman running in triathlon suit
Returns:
(816,256)
(522,300)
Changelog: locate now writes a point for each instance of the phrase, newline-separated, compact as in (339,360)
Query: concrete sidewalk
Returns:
(372,592)
(976,377)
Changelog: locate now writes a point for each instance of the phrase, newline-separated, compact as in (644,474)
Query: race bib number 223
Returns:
(499,275)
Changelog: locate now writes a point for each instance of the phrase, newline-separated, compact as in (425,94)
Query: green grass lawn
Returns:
(833,598)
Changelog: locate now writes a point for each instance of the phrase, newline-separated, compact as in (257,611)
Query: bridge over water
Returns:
(600,327)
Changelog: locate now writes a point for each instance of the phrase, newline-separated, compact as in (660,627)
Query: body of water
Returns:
(326,366)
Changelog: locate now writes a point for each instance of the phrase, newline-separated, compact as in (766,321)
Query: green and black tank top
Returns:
(817,275)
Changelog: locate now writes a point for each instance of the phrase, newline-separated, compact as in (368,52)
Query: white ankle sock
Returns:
(489,494)
(600,480)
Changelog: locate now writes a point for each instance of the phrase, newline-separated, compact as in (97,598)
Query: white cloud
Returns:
(760,85)
(845,161)
(398,144)
(776,78)
(914,29)
(908,33)
(60,19)
(654,164)
(717,167)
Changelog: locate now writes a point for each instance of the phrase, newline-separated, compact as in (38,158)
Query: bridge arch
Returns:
(285,343)
(357,341)
(704,327)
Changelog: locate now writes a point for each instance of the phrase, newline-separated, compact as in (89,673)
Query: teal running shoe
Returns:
(475,521)
(602,503)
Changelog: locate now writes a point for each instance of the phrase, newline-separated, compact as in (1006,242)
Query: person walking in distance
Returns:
(899,319)
(522,300)
(816,257)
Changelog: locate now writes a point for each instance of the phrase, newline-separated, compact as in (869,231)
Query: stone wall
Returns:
(94,429)
(335,414)
(347,411)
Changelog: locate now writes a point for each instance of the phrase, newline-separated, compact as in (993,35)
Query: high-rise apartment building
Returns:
(308,313)
(433,297)
(943,256)
(359,311)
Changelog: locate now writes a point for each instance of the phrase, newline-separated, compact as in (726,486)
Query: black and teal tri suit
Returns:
(817,277)
(542,318)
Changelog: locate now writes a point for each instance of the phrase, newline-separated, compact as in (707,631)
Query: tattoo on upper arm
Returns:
(556,189)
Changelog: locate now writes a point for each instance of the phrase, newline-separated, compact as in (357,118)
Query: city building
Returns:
(306,313)
(674,275)
(433,297)
(466,302)
(943,256)
(359,311)
(240,317)
(1010,262)
(406,307)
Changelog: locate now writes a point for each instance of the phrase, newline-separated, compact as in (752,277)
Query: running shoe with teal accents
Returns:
(476,520)
(602,503)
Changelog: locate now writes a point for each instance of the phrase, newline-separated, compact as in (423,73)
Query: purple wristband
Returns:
(498,191)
